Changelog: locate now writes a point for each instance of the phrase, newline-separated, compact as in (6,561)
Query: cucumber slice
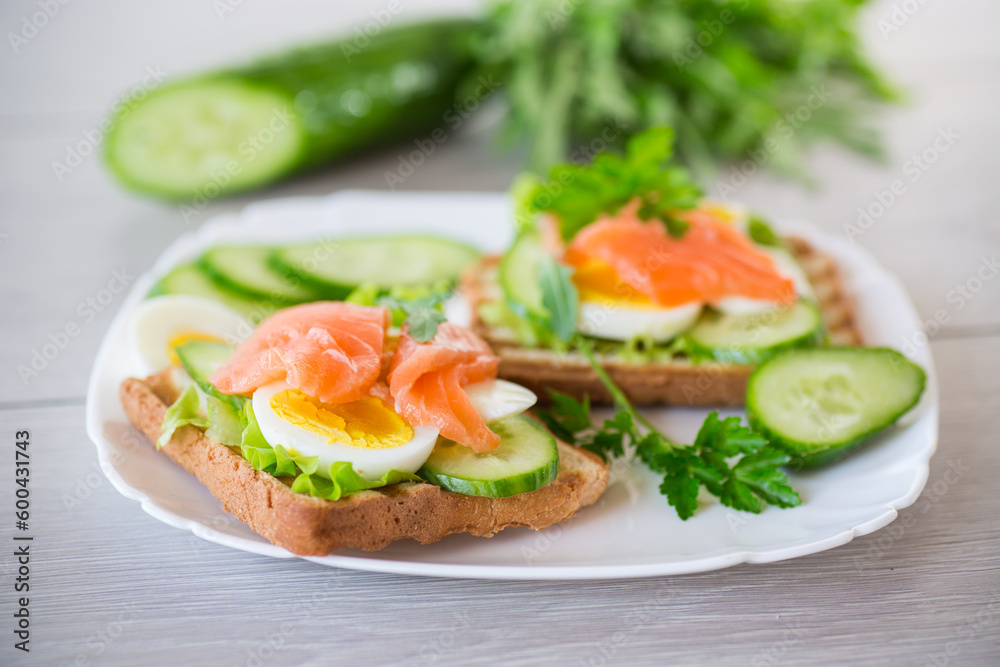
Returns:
(519,276)
(526,460)
(184,139)
(189,279)
(751,339)
(249,271)
(335,269)
(199,137)
(202,358)
(820,404)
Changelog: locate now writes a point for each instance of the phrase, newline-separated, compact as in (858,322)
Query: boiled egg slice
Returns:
(162,323)
(498,399)
(791,269)
(611,309)
(787,267)
(623,321)
(366,433)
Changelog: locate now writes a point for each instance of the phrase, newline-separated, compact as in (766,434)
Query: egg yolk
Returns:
(182,337)
(599,283)
(718,212)
(369,422)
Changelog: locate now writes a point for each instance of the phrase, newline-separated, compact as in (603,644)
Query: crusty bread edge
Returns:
(674,382)
(369,520)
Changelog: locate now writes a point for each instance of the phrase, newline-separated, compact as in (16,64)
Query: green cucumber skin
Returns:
(806,456)
(323,291)
(512,272)
(466,487)
(516,484)
(203,278)
(326,289)
(223,280)
(254,310)
(190,352)
(340,290)
(435,56)
(745,355)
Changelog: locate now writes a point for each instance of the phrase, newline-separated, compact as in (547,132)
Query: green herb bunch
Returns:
(734,77)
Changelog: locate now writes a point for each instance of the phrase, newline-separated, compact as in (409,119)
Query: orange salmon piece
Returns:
(331,350)
(711,261)
(427,379)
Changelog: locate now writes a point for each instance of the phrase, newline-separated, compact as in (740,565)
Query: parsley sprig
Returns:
(729,460)
(420,307)
(577,194)
(421,315)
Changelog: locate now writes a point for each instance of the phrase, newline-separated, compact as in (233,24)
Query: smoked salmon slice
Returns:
(710,262)
(427,379)
(330,350)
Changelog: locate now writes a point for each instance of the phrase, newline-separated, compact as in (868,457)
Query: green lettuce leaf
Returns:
(642,349)
(499,314)
(365,294)
(224,423)
(345,481)
(278,461)
(275,460)
(184,411)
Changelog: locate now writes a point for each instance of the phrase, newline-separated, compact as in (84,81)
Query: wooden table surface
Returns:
(112,586)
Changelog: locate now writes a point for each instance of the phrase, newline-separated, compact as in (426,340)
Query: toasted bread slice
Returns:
(674,382)
(368,520)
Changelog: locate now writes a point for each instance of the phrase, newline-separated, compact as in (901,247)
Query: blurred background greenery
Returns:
(736,79)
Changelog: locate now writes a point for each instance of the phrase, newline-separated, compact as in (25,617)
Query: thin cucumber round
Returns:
(519,275)
(526,460)
(820,404)
(335,269)
(201,359)
(249,271)
(189,279)
(751,339)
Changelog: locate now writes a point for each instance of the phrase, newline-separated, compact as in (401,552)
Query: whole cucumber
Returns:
(249,126)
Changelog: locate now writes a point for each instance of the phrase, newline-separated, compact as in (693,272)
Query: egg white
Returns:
(158,321)
(789,268)
(369,463)
(498,399)
(619,321)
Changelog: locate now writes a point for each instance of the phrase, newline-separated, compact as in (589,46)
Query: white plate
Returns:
(631,532)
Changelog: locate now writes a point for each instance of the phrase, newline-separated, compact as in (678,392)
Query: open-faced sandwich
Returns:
(329,428)
(679,297)
(336,424)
